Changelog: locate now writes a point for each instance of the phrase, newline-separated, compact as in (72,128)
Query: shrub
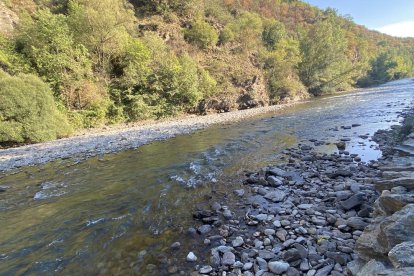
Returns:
(201,34)
(28,112)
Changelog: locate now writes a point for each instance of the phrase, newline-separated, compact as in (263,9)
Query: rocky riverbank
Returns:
(99,142)
(316,214)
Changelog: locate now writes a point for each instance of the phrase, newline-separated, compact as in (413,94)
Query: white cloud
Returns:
(400,29)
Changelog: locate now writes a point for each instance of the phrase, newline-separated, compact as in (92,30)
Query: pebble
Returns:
(191,257)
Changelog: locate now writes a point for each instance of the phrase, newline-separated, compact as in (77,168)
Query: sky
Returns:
(393,17)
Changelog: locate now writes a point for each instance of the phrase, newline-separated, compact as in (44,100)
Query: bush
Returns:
(28,112)
(201,34)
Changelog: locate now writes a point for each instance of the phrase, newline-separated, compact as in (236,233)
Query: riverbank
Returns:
(119,138)
(316,214)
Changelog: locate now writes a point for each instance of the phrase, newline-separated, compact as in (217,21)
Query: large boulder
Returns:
(385,233)
(389,203)
(402,255)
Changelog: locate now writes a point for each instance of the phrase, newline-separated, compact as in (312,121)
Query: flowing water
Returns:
(117,213)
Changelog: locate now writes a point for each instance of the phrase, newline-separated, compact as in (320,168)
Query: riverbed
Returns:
(117,213)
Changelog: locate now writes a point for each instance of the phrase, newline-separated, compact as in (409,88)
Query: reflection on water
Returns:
(118,212)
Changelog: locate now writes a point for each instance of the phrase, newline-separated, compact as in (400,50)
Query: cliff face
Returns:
(8,19)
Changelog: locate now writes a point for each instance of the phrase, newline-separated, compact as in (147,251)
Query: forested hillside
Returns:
(71,64)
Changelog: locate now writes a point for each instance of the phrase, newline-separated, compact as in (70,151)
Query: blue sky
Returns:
(395,17)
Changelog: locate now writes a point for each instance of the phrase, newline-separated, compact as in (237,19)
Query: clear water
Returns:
(115,214)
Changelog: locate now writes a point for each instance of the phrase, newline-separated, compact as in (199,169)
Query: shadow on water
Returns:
(116,213)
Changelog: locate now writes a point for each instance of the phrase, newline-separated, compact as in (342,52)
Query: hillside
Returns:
(111,61)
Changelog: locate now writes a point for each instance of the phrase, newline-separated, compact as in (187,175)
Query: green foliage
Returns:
(102,27)
(245,29)
(387,66)
(49,46)
(28,112)
(324,63)
(201,34)
(273,33)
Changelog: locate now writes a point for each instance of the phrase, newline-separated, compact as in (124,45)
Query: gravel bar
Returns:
(93,143)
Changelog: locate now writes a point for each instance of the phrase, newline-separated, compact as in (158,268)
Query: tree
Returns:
(324,62)
(201,34)
(102,26)
(273,32)
(49,46)
(28,112)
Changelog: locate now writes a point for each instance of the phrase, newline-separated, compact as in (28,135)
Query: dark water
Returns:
(116,213)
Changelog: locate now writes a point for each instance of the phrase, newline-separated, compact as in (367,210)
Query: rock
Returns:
(337,173)
(372,268)
(389,203)
(292,272)
(277,223)
(274,181)
(303,252)
(385,233)
(305,206)
(247,266)
(341,145)
(237,242)
(175,246)
(205,269)
(356,223)
(261,217)
(281,235)
(275,196)
(325,270)
(340,258)
(3,189)
(278,267)
(191,257)
(291,255)
(216,206)
(228,259)
(353,201)
(204,229)
(227,214)
(261,263)
(402,255)
(267,255)
(239,193)
(405,271)
(277,172)
(269,232)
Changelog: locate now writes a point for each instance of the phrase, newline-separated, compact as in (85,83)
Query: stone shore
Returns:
(115,139)
(316,214)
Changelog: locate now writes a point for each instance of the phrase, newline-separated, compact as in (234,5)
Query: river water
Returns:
(117,213)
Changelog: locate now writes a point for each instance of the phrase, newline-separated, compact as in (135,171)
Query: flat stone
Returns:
(261,263)
(205,269)
(277,172)
(274,181)
(353,201)
(356,223)
(228,258)
(325,270)
(275,196)
(305,206)
(269,232)
(204,229)
(278,267)
(237,242)
(267,255)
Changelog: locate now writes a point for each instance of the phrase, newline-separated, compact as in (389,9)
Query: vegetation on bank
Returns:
(73,64)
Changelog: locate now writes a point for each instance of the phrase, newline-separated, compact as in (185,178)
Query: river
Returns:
(117,213)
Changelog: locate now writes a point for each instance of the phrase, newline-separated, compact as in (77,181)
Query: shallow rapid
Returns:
(117,213)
